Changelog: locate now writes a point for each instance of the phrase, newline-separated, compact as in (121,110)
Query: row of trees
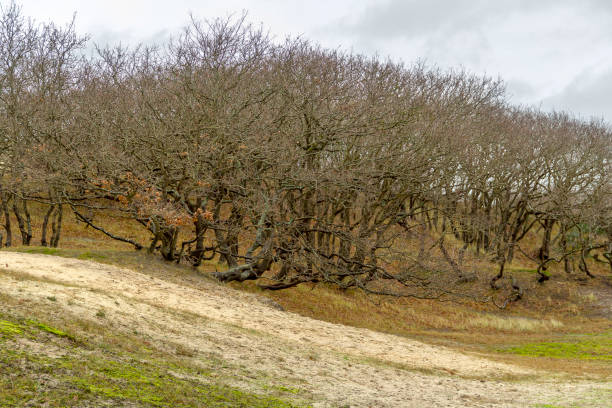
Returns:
(295,163)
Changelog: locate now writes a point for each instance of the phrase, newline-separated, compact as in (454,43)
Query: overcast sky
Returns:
(556,54)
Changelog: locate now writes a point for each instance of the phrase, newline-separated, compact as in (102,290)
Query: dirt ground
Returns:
(337,366)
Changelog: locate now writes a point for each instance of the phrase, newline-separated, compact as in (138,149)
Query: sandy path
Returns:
(337,365)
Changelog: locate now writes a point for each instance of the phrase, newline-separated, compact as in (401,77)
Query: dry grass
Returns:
(89,363)
(515,324)
(553,311)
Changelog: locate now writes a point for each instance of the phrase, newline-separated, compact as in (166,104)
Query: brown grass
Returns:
(548,312)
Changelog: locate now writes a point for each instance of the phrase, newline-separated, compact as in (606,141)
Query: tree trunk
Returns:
(224,249)
(24,222)
(501,261)
(56,226)
(250,271)
(28,221)
(168,239)
(544,252)
(583,264)
(7,219)
(43,239)
(198,253)
(567,260)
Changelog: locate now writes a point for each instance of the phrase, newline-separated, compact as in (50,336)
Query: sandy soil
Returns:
(335,365)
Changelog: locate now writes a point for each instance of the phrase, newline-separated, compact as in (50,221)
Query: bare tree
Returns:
(292,163)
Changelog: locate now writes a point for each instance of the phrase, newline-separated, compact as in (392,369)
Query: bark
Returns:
(608,250)
(543,276)
(544,252)
(500,274)
(241,273)
(168,239)
(45,224)
(153,243)
(28,221)
(23,222)
(567,260)
(86,220)
(228,244)
(584,267)
(198,253)
(7,219)
(56,226)
(456,267)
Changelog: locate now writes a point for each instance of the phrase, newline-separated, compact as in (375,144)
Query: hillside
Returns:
(213,336)
(275,223)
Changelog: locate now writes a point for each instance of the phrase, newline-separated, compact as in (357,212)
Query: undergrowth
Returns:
(547,312)
(586,347)
(101,374)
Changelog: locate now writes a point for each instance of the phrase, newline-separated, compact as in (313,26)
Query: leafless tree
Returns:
(292,163)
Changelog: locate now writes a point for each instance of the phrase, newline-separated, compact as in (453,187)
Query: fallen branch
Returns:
(87,221)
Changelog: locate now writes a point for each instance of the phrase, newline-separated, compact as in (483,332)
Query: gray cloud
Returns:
(521,90)
(105,37)
(603,6)
(408,18)
(541,48)
(557,53)
(588,95)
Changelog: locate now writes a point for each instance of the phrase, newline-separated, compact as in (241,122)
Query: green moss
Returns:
(42,250)
(147,383)
(547,406)
(589,347)
(290,390)
(8,328)
(91,256)
(152,384)
(282,389)
(49,329)
(109,374)
(20,383)
(62,252)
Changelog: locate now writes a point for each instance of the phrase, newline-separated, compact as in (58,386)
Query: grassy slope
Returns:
(551,327)
(64,361)
(555,327)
